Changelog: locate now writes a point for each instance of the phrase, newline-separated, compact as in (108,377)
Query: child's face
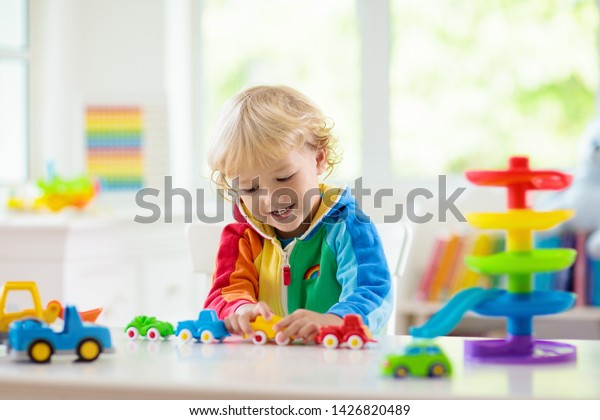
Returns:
(285,194)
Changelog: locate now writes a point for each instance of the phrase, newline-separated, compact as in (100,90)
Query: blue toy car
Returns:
(35,339)
(208,328)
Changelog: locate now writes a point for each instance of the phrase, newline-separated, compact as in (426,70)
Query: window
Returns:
(432,350)
(475,82)
(414,351)
(311,45)
(463,83)
(14,60)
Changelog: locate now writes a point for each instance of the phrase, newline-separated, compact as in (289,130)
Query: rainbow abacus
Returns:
(114,136)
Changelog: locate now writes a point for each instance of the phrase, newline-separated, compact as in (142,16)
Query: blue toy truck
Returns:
(208,328)
(35,339)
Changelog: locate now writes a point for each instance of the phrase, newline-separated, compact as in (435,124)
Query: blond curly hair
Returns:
(262,124)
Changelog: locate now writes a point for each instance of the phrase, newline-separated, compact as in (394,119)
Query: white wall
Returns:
(86,51)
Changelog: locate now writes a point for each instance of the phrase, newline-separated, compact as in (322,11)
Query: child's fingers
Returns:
(288,320)
(244,324)
(284,323)
(309,331)
(232,325)
(263,309)
(293,329)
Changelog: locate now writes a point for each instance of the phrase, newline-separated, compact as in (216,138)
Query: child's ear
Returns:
(321,160)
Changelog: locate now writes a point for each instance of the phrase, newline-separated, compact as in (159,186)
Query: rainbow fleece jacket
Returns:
(337,266)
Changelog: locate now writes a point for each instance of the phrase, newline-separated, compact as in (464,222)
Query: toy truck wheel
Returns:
(153,334)
(437,369)
(185,335)
(401,371)
(89,350)
(207,337)
(40,351)
(132,333)
(260,338)
(355,342)
(331,341)
(281,341)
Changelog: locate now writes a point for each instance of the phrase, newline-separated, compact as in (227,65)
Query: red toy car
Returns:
(352,332)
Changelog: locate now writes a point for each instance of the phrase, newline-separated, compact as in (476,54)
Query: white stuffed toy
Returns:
(583,195)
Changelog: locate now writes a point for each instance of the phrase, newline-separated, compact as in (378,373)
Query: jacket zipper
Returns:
(285,263)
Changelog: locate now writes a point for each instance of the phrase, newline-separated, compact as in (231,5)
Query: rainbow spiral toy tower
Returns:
(519,303)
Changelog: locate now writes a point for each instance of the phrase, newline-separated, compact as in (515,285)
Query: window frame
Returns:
(23,56)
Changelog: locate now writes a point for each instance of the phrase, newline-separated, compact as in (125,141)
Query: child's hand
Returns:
(239,322)
(305,324)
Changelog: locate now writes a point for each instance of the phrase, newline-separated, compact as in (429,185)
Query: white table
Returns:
(241,370)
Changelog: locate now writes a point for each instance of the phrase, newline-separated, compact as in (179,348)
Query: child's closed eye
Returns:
(286,178)
(248,190)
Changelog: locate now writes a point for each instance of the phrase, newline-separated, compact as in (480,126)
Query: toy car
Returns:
(263,331)
(149,327)
(208,328)
(418,359)
(352,332)
(35,339)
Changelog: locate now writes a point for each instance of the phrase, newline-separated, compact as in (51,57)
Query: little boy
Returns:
(299,249)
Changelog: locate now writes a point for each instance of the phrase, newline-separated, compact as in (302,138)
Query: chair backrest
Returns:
(203,243)
(396,240)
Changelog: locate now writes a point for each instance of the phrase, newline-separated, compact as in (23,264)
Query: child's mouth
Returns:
(283,212)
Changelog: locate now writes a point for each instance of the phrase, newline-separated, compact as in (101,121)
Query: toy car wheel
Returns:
(89,350)
(355,342)
(331,341)
(207,337)
(185,335)
(281,341)
(153,334)
(401,371)
(40,351)
(132,333)
(437,369)
(260,338)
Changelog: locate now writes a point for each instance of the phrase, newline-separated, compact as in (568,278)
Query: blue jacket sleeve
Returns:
(362,271)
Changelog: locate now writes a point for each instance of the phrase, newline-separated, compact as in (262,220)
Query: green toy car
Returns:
(419,359)
(149,327)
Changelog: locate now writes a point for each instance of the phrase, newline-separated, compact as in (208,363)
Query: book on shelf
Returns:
(431,268)
(446,272)
(580,269)
(593,281)
(461,271)
(445,269)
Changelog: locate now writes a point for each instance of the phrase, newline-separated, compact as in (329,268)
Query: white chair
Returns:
(396,239)
(203,243)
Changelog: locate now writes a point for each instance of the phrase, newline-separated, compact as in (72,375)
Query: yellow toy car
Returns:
(263,331)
